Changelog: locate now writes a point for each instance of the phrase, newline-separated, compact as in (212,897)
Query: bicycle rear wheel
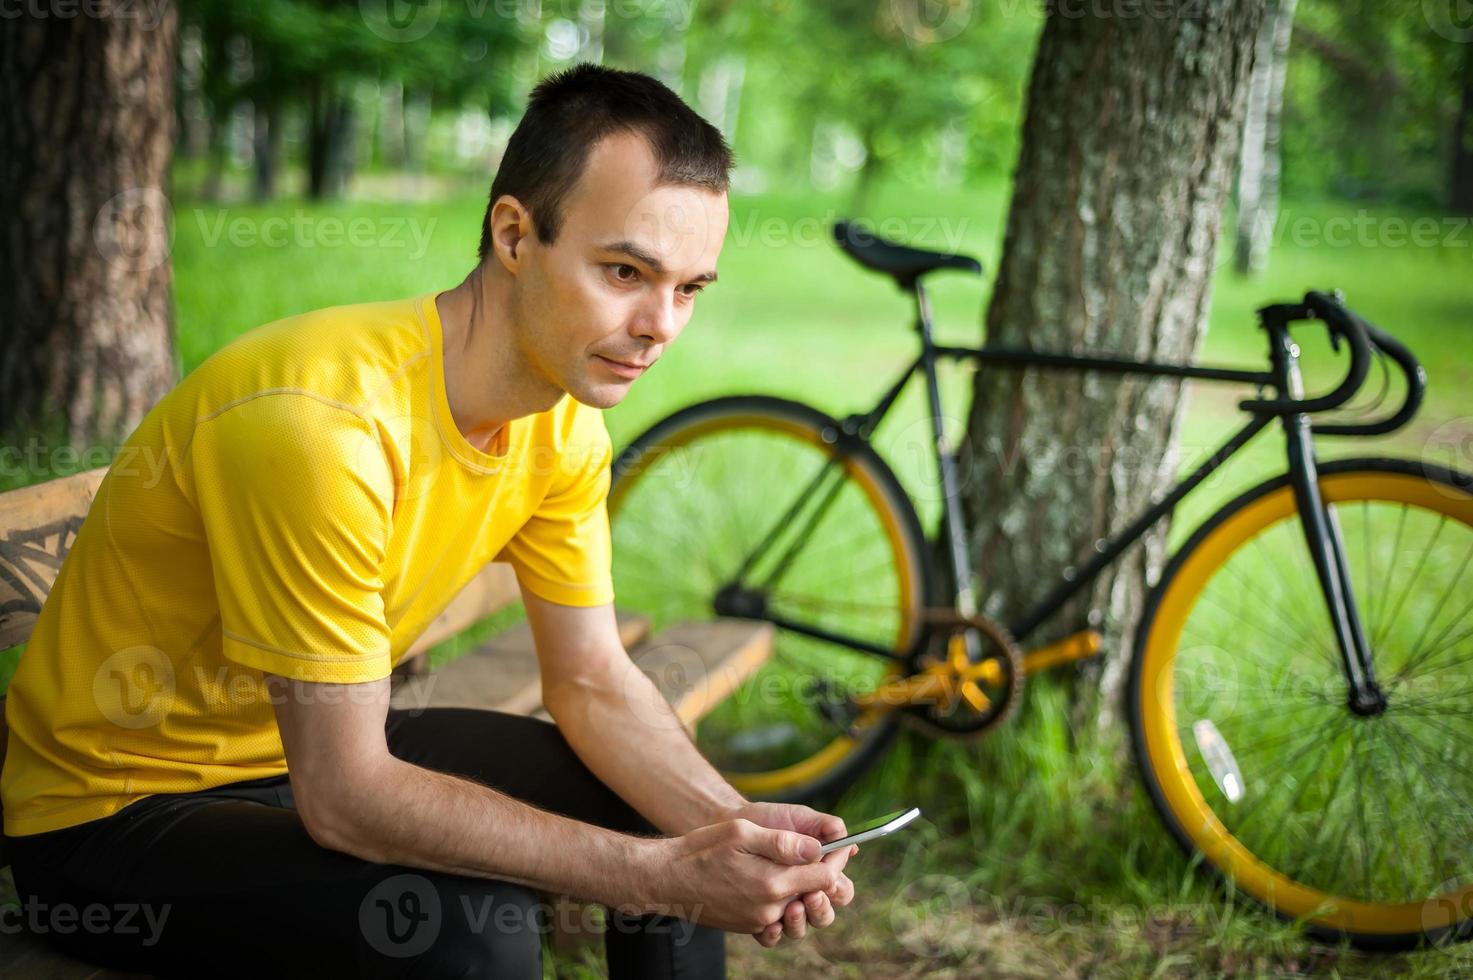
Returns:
(759,507)
(1361,827)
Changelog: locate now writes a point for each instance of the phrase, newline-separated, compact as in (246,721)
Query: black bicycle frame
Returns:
(1321,529)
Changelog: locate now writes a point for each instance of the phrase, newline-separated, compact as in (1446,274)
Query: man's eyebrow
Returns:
(635,251)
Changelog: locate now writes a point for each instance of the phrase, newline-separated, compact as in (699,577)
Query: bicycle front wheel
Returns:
(1359,826)
(759,507)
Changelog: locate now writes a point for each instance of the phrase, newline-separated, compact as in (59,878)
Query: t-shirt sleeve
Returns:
(296,498)
(563,553)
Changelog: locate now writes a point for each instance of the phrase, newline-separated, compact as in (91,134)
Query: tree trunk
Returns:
(330,141)
(268,139)
(87,135)
(1258,168)
(1460,197)
(1127,153)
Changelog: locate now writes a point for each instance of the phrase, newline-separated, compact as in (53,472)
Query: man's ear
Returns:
(511,226)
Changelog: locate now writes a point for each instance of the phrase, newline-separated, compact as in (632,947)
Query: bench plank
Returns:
(697,665)
(502,673)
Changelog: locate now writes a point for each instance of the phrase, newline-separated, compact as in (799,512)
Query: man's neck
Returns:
(487,382)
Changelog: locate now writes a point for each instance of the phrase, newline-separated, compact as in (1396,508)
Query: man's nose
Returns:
(657,320)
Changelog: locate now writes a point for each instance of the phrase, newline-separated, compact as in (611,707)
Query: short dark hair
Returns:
(571,111)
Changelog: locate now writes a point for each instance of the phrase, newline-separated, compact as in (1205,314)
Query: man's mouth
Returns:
(624,369)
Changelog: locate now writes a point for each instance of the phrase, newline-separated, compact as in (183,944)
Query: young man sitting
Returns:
(200,726)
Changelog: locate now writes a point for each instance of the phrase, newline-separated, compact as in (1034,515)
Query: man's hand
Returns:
(734,874)
(814,907)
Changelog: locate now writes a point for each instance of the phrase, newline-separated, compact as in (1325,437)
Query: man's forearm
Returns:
(426,819)
(626,733)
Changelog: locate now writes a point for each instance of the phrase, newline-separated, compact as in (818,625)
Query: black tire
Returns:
(879,737)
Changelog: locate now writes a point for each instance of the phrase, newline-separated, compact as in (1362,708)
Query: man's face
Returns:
(594,309)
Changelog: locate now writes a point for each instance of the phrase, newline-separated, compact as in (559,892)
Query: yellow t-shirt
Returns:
(302,504)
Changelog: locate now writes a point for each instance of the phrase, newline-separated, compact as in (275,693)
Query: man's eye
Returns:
(625,273)
(691,289)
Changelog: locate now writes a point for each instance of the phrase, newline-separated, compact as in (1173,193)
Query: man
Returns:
(200,729)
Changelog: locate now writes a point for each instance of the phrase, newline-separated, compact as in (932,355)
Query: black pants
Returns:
(226,882)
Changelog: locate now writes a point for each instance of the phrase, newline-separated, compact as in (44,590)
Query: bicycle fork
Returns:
(1322,535)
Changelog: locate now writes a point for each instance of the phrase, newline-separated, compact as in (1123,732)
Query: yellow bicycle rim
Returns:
(1168,760)
(835,752)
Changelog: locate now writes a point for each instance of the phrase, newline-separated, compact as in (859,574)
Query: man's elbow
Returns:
(566,692)
(325,821)
(334,816)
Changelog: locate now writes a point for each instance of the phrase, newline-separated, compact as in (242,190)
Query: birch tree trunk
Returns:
(85,143)
(1258,167)
(1127,153)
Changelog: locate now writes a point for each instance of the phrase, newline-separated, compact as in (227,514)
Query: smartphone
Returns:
(878,827)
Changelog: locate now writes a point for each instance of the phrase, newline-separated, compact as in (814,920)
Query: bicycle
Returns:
(1296,637)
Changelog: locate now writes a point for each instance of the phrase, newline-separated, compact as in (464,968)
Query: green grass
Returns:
(1038,854)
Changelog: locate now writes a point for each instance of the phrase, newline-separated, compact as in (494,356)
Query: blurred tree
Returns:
(1258,163)
(1460,164)
(305,59)
(84,166)
(1128,147)
(894,77)
(1373,99)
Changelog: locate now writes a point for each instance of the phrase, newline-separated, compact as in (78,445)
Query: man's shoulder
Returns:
(354,356)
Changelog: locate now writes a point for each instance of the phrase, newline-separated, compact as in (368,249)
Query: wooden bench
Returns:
(694,665)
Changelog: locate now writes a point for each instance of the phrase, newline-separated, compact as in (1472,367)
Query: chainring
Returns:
(960,720)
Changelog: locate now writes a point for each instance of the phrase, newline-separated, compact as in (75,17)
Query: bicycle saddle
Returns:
(906,264)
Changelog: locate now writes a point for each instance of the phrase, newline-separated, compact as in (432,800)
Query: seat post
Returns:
(923,311)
